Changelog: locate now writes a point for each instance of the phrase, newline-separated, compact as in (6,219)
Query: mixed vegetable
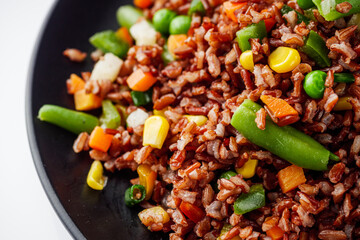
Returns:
(282,140)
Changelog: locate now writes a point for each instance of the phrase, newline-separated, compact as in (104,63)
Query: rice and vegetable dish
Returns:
(241,118)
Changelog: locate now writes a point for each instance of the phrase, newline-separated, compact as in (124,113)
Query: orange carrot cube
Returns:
(74,84)
(290,178)
(100,140)
(86,101)
(140,81)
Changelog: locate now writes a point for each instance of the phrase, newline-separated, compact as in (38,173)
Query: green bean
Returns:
(180,25)
(344,77)
(128,15)
(162,19)
(110,117)
(107,41)
(70,120)
(134,195)
(141,98)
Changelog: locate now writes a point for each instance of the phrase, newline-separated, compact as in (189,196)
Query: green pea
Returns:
(180,25)
(196,7)
(162,19)
(314,84)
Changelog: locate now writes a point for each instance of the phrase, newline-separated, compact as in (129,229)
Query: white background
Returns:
(25,211)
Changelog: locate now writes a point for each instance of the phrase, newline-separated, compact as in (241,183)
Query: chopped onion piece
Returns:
(107,68)
(137,118)
(143,33)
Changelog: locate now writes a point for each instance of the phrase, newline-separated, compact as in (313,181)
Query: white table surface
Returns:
(25,211)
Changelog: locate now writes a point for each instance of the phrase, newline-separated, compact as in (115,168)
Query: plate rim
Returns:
(34,148)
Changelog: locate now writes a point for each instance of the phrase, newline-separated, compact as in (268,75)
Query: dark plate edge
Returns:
(45,182)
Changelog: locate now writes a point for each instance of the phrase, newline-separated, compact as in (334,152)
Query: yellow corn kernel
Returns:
(198,119)
(160,112)
(147,178)
(153,215)
(86,101)
(342,104)
(248,170)
(225,229)
(284,59)
(155,131)
(247,60)
(95,178)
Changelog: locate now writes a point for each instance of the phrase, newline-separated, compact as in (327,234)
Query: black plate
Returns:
(86,213)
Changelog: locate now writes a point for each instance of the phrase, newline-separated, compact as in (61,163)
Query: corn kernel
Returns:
(147,178)
(95,178)
(342,104)
(155,131)
(160,112)
(247,60)
(154,215)
(284,59)
(248,170)
(198,119)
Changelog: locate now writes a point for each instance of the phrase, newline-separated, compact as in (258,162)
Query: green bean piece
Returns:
(110,117)
(315,48)
(180,25)
(227,175)
(134,195)
(123,114)
(73,121)
(256,30)
(162,19)
(286,142)
(355,20)
(310,14)
(305,4)
(141,98)
(196,6)
(314,84)
(327,8)
(344,77)
(128,15)
(301,18)
(250,201)
(107,41)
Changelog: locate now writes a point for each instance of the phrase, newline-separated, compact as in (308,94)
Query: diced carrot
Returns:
(86,101)
(275,233)
(142,3)
(123,33)
(279,107)
(269,22)
(100,140)
(291,177)
(140,81)
(231,7)
(176,41)
(74,84)
(192,211)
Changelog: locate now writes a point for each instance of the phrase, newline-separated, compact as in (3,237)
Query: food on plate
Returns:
(240,118)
